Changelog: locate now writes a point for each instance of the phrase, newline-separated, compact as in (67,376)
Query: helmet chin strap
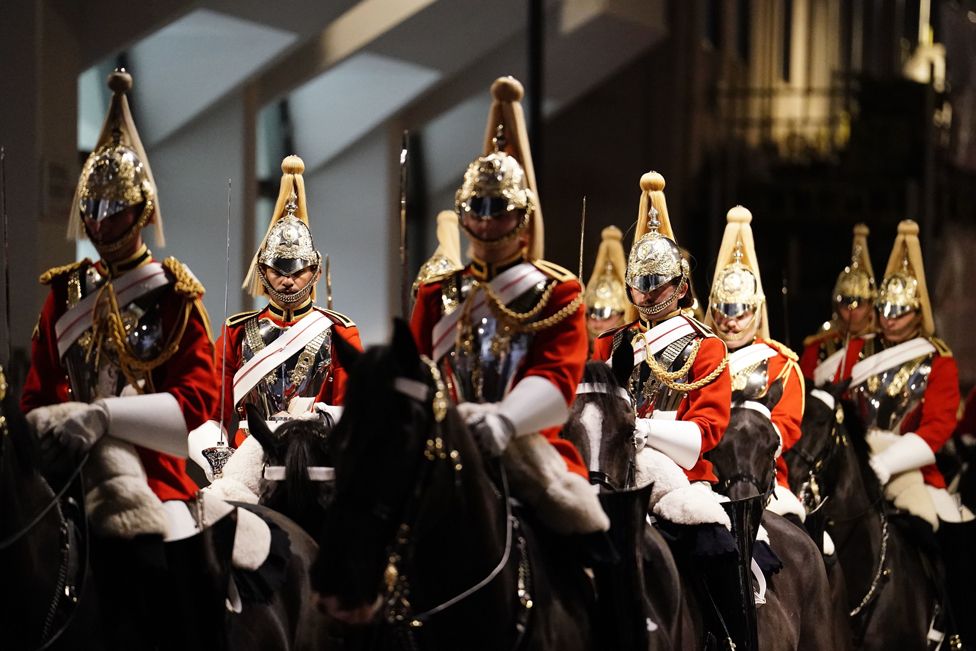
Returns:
(282,299)
(649,313)
(498,242)
(126,239)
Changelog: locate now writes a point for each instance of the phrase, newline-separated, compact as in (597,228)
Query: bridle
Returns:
(62,590)
(399,610)
(811,497)
(598,477)
(763,488)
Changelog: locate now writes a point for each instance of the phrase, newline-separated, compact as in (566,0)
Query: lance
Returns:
(404,295)
(218,455)
(582,232)
(786,311)
(328,282)
(6,249)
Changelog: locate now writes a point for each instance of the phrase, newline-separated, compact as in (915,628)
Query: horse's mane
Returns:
(600,373)
(307,445)
(857,435)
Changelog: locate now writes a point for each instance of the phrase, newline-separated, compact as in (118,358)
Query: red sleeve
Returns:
(333,390)
(809,359)
(967,425)
(602,348)
(46,383)
(559,353)
(426,312)
(936,418)
(787,414)
(229,343)
(709,406)
(189,374)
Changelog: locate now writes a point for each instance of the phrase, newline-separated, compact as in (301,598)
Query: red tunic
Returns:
(708,407)
(819,347)
(935,418)
(787,414)
(333,389)
(557,354)
(967,425)
(188,375)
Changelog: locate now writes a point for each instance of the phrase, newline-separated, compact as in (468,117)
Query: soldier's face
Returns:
(736,330)
(900,328)
(112,228)
(855,319)
(289,284)
(493,228)
(597,325)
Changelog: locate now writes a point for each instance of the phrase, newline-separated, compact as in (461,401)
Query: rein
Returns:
(398,606)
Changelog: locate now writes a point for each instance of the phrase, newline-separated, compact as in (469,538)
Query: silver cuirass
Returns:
(884,399)
(752,381)
(93,366)
(487,353)
(650,394)
(302,375)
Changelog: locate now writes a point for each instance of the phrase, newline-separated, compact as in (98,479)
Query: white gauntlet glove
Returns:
(909,452)
(679,439)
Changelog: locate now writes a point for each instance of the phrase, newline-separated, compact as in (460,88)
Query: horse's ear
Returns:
(258,428)
(404,347)
(346,352)
(773,395)
(622,363)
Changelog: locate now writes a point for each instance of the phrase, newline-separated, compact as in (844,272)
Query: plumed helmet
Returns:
(855,283)
(606,292)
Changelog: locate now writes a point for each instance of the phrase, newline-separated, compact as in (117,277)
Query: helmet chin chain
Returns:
(648,313)
(127,238)
(283,299)
(498,242)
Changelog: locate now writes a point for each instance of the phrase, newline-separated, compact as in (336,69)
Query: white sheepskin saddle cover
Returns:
(673,497)
(784,502)
(120,504)
(563,500)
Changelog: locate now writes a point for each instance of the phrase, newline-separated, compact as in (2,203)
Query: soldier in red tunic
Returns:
(849,336)
(121,369)
(508,330)
(908,394)
(737,313)
(281,358)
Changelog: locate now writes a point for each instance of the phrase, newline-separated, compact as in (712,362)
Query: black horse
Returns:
(65,589)
(601,426)
(798,612)
(422,528)
(891,602)
(298,469)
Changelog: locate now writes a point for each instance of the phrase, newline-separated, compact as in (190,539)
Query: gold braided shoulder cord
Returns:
(667,378)
(517,319)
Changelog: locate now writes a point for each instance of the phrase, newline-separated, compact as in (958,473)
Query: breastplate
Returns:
(752,381)
(487,353)
(885,399)
(650,393)
(301,375)
(92,362)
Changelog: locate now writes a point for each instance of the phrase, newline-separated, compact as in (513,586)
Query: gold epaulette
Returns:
(49,275)
(940,347)
(554,270)
(782,349)
(436,277)
(240,317)
(338,317)
(186,283)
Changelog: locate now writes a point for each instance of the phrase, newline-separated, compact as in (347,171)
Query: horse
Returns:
(66,588)
(422,528)
(798,612)
(601,426)
(891,602)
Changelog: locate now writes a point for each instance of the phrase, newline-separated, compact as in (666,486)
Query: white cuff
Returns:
(534,404)
(909,452)
(203,437)
(679,439)
(153,421)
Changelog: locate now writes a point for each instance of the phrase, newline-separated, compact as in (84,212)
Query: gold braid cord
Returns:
(667,378)
(132,367)
(517,319)
(186,283)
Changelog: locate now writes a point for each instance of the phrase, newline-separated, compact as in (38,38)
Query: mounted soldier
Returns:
(907,394)
(737,314)
(507,331)
(849,336)
(281,358)
(605,296)
(121,370)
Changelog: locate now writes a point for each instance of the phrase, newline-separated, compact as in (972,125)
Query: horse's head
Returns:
(601,424)
(380,448)
(298,468)
(745,458)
